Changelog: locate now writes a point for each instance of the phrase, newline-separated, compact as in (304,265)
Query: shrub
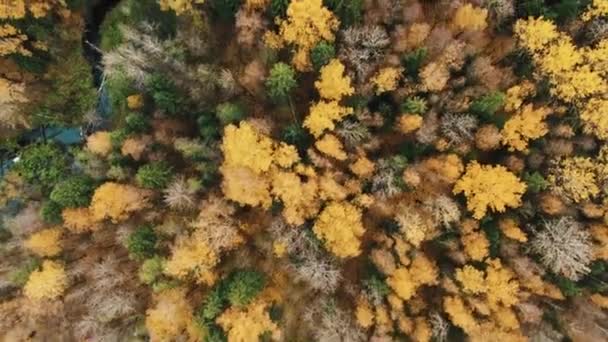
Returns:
(136,123)
(165,94)
(278,8)
(413,61)
(226,9)
(70,93)
(536,182)
(281,81)
(414,105)
(487,105)
(295,134)
(349,12)
(142,242)
(229,112)
(321,54)
(51,213)
(73,192)
(213,305)
(20,276)
(208,126)
(43,164)
(243,286)
(151,270)
(155,175)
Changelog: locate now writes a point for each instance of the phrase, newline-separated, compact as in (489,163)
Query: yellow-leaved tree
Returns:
(249,323)
(324,115)
(525,125)
(489,187)
(340,226)
(333,85)
(47,283)
(172,319)
(308,22)
(117,202)
(45,243)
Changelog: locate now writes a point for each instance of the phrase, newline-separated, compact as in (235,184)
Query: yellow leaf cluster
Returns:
(14,9)
(510,229)
(331,146)
(244,146)
(574,73)
(45,243)
(470,18)
(79,220)
(245,187)
(12,41)
(595,117)
(410,122)
(179,6)
(324,115)
(599,8)
(575,178)
(48,283)
(135,101)
(117,201)
(527,124)
(256,4)
(363,167)
(387,79)
(460,314)
(286,155)
(249,160)
(340,226)
(333,85)
(100,143)
(406,281)
(489,187)
(516,94)
(192,257)
(308,22)
(249,323)
(171,317)
(472,279)
(299,197)
(476,246)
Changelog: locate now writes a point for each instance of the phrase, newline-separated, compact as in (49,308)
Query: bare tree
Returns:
(564,247)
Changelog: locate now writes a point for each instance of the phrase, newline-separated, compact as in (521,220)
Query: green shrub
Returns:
(20,276)
(243,286)
(213,305)
(487,105)
(156,175)
(136,123)
(321,54)
(51,213)
(151,269)
(229,112)
(350,12)
(208,126)
(142,242)
(413,61)
(295,134)
(414,105)
(536,182)
(226,9)
(118,136)
(278,8)
(281,81)
(76,191)
(165,94)
(70,91)
(43,164)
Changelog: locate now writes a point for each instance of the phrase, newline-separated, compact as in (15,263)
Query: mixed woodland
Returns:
(304,170)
